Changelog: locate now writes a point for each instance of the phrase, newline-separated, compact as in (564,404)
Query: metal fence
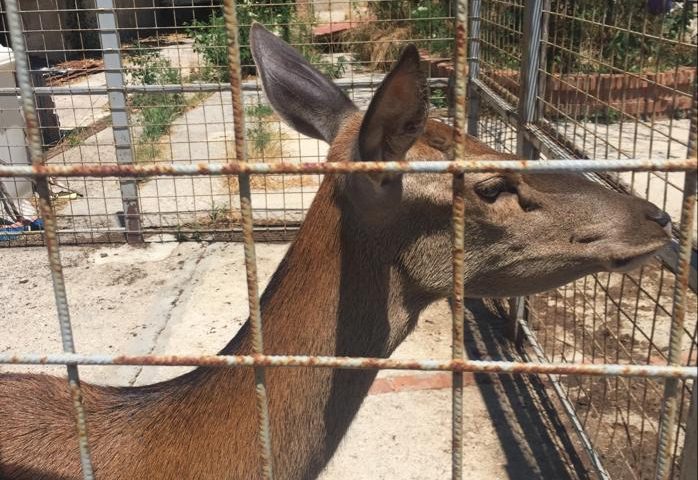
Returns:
(139,108)
(609,80)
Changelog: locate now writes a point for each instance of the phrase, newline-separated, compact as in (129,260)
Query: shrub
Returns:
(600,36)
(210,39)
(429,22)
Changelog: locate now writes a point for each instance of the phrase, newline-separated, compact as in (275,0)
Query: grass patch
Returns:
(155,110)
(265,143)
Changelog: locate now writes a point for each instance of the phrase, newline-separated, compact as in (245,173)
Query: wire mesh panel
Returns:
(132,99)
(171,68)
(614,80)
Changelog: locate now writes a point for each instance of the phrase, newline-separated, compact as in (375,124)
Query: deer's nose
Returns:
(659,216)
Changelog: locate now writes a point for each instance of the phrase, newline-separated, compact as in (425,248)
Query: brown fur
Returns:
(372,253)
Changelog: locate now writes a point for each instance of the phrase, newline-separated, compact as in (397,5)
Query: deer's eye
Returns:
(491,188)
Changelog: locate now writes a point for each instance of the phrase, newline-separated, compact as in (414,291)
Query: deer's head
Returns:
(523,233)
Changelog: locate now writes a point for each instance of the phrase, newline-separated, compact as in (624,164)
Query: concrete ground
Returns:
(190,298)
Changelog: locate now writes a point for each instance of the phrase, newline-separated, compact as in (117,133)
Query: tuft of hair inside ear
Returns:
(397,115)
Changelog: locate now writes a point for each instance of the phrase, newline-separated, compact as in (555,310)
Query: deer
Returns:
(372,253)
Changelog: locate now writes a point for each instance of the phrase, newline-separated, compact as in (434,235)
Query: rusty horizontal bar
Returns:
(362,363)
(347,84)
(236,168)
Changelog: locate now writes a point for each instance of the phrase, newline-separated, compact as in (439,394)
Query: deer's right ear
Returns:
(306,99)
(397,115)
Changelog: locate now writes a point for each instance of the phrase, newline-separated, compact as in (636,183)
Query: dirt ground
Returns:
(190,298)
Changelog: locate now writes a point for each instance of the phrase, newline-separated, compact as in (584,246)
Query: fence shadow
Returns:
(535,442)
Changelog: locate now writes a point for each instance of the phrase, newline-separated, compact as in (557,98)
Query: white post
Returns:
(13,144)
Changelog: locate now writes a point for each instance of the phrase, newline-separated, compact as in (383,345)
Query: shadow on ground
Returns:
(535,442)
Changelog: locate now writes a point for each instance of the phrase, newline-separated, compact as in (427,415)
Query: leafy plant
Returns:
(218,212)
(601,37)
(210,42)
(210,39)
(431,26)
(334,70)
(260,136)
(438,98)
(259,111)
(258,131)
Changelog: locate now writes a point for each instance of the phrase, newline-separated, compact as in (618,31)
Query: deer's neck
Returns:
(329,296)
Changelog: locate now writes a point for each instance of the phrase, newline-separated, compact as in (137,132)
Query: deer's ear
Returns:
(398,112)
(395,119)
(306,99)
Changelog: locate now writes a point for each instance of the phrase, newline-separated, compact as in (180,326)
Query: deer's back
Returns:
(39,438)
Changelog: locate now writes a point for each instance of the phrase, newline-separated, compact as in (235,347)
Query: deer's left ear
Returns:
(398,112)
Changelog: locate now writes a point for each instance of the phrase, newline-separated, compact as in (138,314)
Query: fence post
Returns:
(528,77)
(113,69)
(543,59)
(474,67)
(527,114)
(689,464)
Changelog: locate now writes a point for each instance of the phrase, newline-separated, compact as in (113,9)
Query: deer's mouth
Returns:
(628,262)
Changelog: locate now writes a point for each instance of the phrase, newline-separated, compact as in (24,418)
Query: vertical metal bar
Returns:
(14,24)
(689,463)
(458,335)
(527,112)
(667,423)
(473,68)
(518,314)
(231,24)
(113,67)
(528,92)
(543,59)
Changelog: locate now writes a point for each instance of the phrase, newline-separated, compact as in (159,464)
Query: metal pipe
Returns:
(474,67)
(458,327)
(14,24)
(689,463)
(528,88)
(236,168)
(360,363)
(114,73)
(543,59)
(193,87)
